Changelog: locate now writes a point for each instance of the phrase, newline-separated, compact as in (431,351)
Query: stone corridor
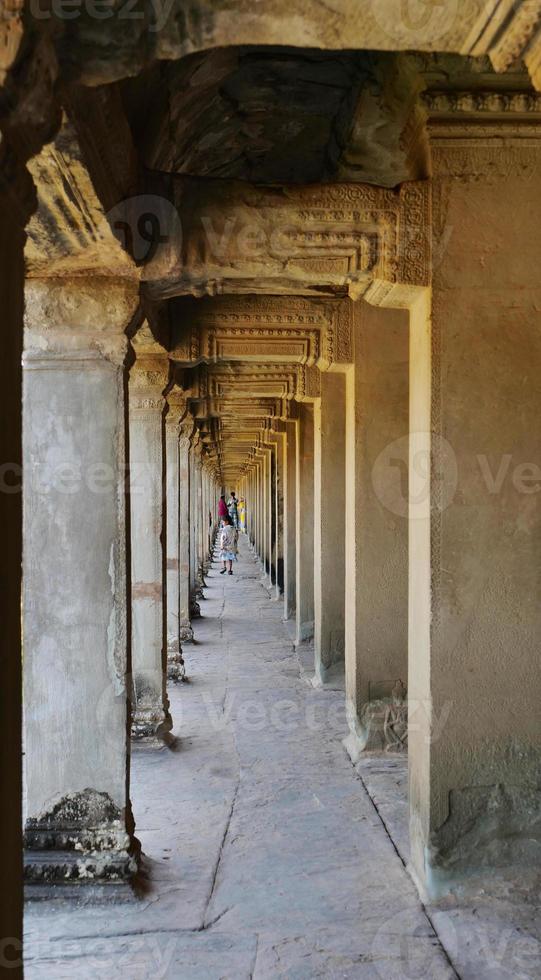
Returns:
(270,269)
(264,855)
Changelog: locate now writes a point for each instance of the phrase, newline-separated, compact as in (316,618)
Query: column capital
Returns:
(78,319)
(196,445)
(186,431)
(148,379)
(177,407)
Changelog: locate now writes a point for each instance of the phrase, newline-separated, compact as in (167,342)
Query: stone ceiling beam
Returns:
(506,30)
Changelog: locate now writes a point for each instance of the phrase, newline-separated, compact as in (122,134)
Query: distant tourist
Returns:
(228,545)
(222,508)
(233,509)
(242,514)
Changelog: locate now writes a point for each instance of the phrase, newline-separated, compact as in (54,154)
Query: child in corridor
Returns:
(228,545)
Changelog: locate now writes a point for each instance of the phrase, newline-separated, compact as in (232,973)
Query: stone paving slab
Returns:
(264,853)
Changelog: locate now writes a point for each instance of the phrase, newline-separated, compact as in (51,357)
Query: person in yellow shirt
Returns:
(242,514)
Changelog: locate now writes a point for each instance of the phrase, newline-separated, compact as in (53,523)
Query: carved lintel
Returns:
(244,328)
(316,236)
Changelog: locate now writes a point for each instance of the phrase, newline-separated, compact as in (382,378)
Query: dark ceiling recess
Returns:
(275,115)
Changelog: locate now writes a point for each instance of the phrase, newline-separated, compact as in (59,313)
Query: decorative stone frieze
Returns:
(292,239)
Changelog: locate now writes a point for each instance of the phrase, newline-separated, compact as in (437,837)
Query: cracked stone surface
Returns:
(264,853)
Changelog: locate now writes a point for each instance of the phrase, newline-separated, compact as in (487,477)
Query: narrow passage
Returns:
(264,854)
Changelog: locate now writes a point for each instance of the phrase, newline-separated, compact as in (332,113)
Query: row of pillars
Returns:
(436,587)
(119,521)
(412,558)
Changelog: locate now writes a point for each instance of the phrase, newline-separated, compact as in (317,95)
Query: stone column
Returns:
(475,544)
(304,547)
(329,524)
(249,504)
(259,507)
(194,605)
(206,493)
(204,521)
(200,536)
(16,203)
(263,507)
(252,505)
(185,626)
(268,505)
(278,439)
(196,586)
(176,402)
(78,815)
(148,379)
(275,528)
(376,523)
(290,517)
(209,518)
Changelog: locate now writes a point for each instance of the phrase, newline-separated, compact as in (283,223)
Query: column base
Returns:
(305,632)
(355,742)
(150,725)
(82,840)
(176,668)
(331,677)
(382,726)
(185,631)
(195,609)
(491,831)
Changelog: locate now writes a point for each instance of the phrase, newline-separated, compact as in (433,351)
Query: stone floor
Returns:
(267,855)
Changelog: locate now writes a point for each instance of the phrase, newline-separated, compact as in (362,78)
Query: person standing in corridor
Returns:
(228,545)
(233,509)
(222,508)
